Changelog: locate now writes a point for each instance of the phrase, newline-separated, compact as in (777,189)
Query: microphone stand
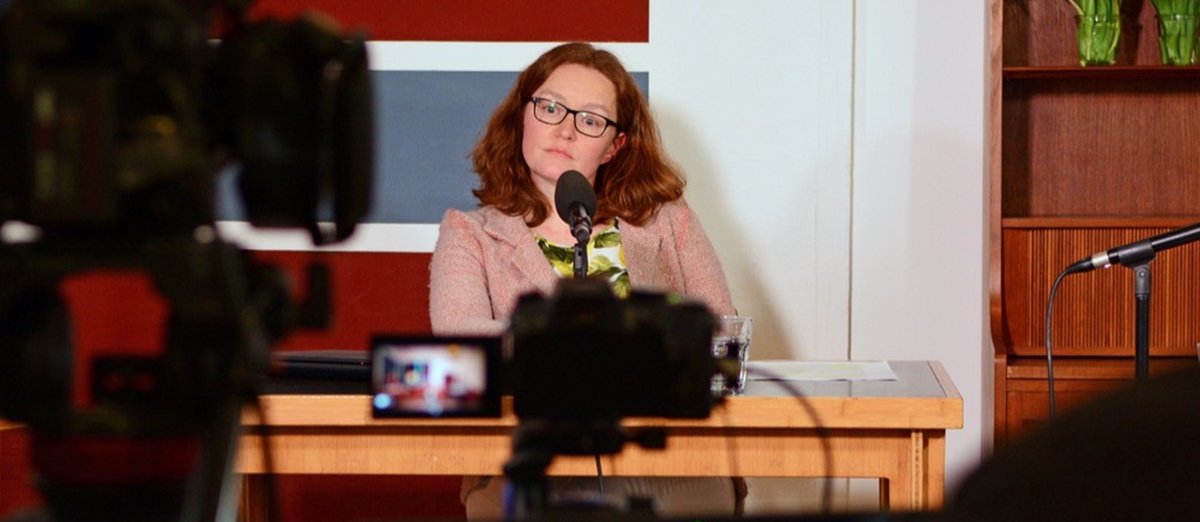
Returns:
(580,259)
(1138,256)
(1141,293)
(581,228)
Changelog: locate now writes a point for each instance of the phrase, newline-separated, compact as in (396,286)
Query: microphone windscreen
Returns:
(573,188)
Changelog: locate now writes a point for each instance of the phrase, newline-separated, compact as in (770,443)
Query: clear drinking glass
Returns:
(731,348)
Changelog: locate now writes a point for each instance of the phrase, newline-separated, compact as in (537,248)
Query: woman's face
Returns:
(550,150)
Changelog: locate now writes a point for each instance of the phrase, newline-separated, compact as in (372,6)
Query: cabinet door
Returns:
(1029,400)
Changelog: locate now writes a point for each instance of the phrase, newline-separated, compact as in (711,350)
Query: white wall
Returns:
(919,206)
(754,99)
(835,154)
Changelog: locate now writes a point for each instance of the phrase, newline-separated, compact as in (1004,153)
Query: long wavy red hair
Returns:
(631,187)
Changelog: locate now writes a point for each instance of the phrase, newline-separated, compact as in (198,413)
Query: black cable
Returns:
(272,490)
(818,427)
(734,465)
(731,450)
(599,475)
(1049,351)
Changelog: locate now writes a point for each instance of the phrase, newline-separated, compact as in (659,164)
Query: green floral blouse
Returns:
(606,258)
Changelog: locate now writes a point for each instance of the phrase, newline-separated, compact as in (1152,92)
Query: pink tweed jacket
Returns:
(485,259)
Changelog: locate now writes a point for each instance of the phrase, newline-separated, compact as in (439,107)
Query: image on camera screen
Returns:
(435,377)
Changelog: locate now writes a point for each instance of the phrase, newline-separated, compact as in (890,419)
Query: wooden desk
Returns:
(891,430)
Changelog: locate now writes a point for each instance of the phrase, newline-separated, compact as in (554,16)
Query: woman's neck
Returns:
(557,231)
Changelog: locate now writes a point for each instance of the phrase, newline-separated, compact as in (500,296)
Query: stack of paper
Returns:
(821,371)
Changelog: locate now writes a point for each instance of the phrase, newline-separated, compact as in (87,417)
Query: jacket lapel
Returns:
(642,246)
(520,248)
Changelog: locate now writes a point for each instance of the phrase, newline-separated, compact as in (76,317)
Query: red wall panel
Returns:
(16,486)
(372,292)
(121,313)
(482,20)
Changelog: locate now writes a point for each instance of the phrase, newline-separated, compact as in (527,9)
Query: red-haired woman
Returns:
(575,108)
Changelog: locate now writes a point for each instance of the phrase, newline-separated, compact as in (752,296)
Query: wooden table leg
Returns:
(920,487)
(916,476)
(935,470)
(253,505)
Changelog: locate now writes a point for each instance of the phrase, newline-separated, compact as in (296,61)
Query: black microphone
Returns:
(1137,252)
(576,203)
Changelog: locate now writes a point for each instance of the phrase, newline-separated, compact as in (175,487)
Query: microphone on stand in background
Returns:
(1137,256)
(576,204)
(1137,252)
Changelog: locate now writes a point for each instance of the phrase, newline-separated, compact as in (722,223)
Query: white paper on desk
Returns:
(822,371)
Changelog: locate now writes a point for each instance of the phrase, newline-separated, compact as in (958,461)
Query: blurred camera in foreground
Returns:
(115,117)
(582,354)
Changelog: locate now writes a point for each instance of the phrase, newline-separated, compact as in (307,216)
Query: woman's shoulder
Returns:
(485,221)
(670,215)
(477,218)
(675,209)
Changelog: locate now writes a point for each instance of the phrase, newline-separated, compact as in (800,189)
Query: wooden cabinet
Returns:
(1083,159)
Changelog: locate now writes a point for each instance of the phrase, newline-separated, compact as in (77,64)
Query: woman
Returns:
(575,108)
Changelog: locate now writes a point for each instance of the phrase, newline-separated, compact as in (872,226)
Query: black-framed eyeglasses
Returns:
(587,123)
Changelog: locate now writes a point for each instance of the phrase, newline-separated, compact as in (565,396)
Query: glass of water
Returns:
(731,348)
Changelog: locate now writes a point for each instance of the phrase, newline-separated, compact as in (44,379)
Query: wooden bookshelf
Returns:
(1083,159)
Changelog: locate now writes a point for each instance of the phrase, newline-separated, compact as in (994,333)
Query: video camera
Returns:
(117,117)
(582,360)
(582,354)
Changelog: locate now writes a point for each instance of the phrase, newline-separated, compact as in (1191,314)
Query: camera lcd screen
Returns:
(435,376)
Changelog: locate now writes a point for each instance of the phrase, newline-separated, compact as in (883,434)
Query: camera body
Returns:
(584,355)
(116,117)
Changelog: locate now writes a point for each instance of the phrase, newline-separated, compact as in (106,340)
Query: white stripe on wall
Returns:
(482,56)
(368,237)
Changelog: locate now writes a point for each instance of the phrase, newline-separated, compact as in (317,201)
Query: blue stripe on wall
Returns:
(426,124)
